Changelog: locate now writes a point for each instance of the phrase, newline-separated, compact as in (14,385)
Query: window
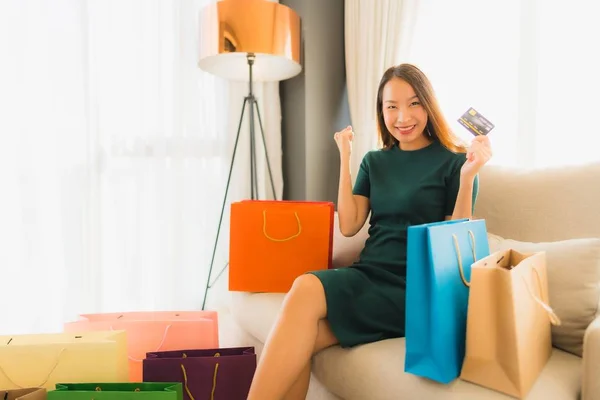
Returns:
(525,65)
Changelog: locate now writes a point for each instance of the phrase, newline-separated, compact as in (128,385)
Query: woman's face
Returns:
(404,116)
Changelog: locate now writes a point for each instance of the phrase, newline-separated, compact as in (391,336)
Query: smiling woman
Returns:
(405,118)
(408,112)
(415,179)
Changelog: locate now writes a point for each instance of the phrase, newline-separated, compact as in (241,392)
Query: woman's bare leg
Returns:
(325,339)
(292,340)
(300,387)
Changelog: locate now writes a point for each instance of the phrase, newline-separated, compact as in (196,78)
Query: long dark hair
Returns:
(437,126)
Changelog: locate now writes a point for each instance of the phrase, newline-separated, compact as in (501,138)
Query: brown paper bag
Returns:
(23,394)
(508,340)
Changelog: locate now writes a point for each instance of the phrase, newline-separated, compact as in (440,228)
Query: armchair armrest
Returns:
(590,385)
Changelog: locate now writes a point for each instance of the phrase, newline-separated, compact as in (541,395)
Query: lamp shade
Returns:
(231,29)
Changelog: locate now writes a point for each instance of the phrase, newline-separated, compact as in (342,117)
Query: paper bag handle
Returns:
(99,389)
(159,346)
(214,383)
(458,255)
(554,320)
(45,380)
(285,239)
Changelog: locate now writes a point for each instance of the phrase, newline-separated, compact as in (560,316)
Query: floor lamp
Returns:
(253,41)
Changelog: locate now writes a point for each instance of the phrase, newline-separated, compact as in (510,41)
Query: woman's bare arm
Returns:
(352,209)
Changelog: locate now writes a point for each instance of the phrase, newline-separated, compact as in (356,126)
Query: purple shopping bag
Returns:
(215,374)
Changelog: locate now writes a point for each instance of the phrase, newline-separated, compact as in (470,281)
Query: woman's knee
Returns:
(307,285)
(308,292)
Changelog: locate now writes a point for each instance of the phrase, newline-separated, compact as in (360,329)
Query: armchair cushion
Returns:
(573,284)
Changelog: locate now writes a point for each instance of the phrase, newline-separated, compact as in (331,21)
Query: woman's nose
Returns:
(400,117)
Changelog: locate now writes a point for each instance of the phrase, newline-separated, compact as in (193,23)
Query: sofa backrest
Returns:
(541,205)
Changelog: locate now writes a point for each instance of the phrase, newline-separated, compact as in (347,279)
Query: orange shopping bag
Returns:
(154,331)
(273,242)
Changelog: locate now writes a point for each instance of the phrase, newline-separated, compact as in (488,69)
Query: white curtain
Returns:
(526,65)
(378,34)
(114,157)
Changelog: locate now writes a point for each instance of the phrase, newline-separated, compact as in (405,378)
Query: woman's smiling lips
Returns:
(405,130)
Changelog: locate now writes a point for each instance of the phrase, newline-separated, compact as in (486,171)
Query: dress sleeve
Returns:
(454,185)
(362,186)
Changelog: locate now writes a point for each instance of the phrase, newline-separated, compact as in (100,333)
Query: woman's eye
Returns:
(415,103)
(391,107)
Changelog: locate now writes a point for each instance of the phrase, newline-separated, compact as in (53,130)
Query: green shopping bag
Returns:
(117,391)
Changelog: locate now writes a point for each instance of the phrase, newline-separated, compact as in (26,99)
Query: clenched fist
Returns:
(343,139)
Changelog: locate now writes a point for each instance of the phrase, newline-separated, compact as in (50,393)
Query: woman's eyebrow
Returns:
(394,101)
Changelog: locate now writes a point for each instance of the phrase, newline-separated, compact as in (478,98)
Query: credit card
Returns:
(475,123)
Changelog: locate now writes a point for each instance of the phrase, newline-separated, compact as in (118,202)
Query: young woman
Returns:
(421,174)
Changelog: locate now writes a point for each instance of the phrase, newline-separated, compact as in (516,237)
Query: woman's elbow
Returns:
(347,231)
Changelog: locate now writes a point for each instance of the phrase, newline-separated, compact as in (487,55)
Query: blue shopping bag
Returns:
(439,258)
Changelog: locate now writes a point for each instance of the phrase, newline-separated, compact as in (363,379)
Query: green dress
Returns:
(366,301)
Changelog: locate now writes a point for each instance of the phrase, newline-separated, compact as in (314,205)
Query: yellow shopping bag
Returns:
(46,359)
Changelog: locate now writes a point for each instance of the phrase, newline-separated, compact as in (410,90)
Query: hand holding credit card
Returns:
(475,123)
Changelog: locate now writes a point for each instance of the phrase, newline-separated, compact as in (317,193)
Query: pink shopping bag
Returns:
(154,331)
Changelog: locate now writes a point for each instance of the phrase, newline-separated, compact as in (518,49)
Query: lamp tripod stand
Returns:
(251,102)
